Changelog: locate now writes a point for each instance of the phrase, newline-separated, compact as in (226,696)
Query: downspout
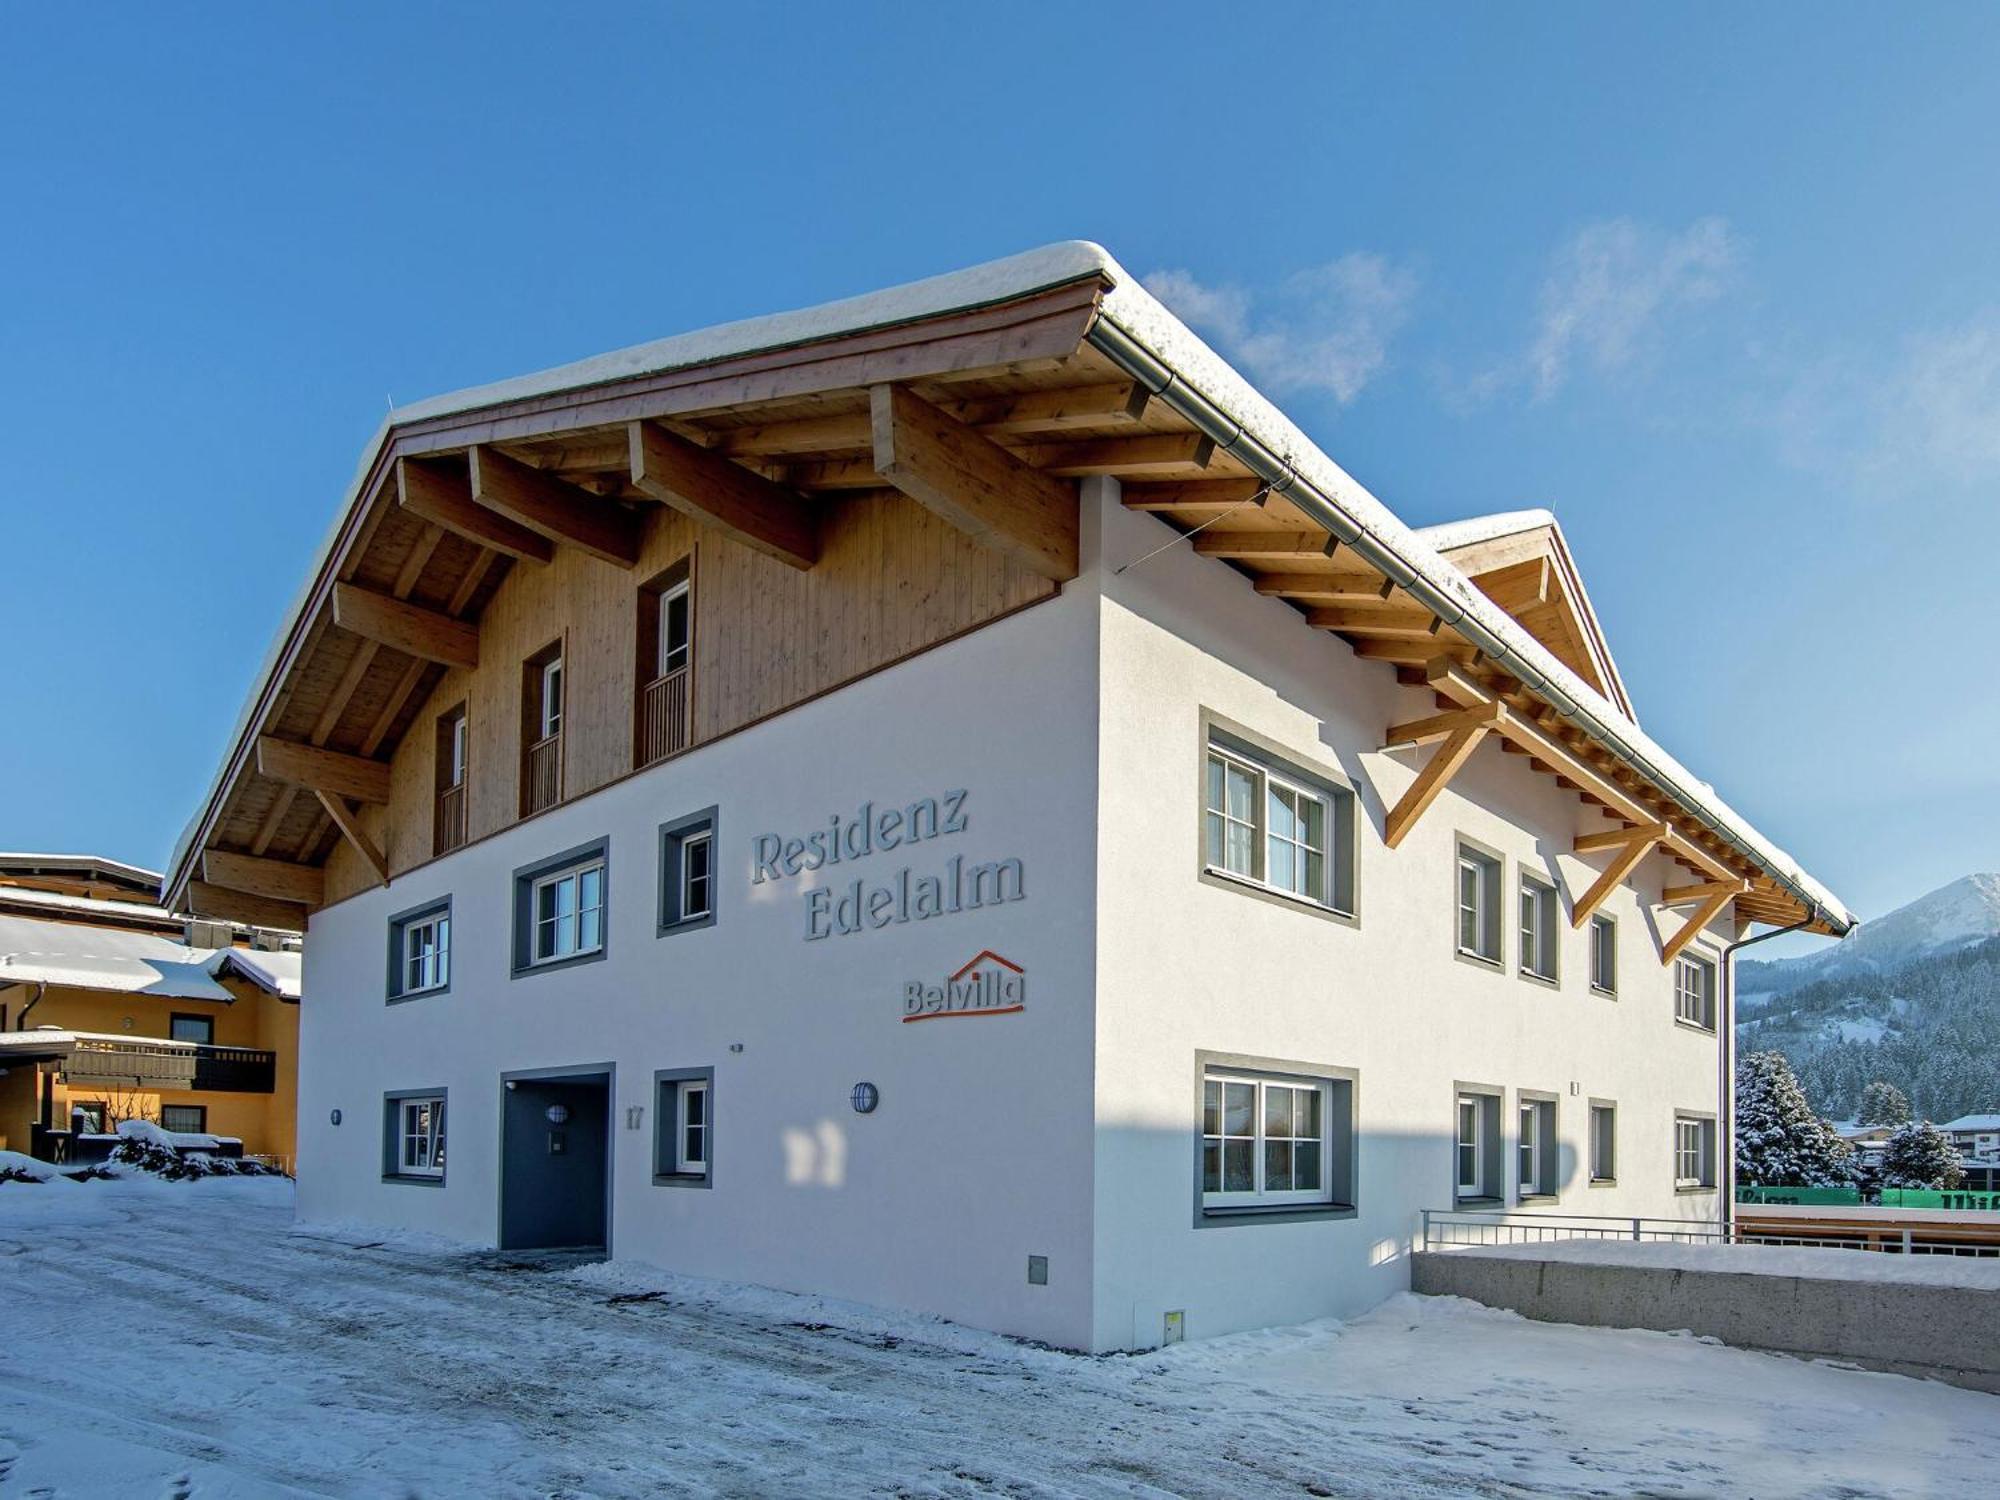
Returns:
(1725,1083)
(41,989)
(1166,384)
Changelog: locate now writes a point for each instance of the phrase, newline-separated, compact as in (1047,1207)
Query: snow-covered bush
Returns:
(1780,1142)
(1919,1155)
(145,1147)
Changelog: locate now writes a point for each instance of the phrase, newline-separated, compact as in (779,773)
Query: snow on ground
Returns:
(184,1339)
(1810,1261)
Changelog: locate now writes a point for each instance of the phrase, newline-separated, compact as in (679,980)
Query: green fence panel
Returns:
(1818,1196)
(1956,1200)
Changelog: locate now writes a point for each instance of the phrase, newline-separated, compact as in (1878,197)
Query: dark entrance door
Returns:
(555,1172)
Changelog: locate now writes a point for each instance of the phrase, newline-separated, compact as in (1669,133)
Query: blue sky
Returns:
(1717,284)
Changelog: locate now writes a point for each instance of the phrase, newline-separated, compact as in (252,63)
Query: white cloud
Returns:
(1611,287)
(1325,329)
(1944,407)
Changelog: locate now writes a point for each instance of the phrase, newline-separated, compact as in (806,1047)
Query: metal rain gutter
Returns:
(1230,436)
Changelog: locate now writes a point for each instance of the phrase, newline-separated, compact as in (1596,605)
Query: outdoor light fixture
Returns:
(558,1114)
(864,1098)
(335,1117)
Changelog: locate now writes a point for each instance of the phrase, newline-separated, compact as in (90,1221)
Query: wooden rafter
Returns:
(207,899)
(277,879)
(427,634)
(1332,588)
(1710,909)
(1398,624)
(545,505)
(441,492)
(1708,890)
(1633,845)
(1056,410)
(974,483)
(321,770)
(1153,453)
(350,827)
(1460,740)
(1252,546)
(1219,496)
(1442,726)
(715,490)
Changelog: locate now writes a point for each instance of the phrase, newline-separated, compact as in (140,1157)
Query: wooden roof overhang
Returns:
(986,415)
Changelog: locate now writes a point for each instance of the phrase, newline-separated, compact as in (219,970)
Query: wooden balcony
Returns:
(664,721)
(449,833)
(137,1063)
(541,774)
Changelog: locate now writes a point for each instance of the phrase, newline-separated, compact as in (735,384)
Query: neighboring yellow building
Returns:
(112,1008)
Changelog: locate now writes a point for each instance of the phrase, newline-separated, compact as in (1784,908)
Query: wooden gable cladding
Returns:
(891,580)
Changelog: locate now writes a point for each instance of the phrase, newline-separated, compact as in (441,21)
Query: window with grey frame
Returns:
(420,951)
(687,872)
(1694,991)
(1604,955)
(1478,905)
(413,1131)
(1477,1148)
(1273,825)
(561,909)
(1694,1152)
(1536,1148)
(684,1127)
(1539,911)
(1603,1142)
(1271,1141)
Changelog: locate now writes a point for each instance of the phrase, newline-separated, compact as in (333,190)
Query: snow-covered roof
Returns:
(1972,1122)
(124,961)
(1134,312)
(279,972)
(80,864)
(63,901)
(1448,536)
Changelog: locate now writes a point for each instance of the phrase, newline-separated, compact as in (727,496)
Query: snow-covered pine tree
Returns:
(1780,1142)
(1882,1103)
(1919,1155)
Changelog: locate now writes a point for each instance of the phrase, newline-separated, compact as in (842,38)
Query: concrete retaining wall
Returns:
(1947,1333)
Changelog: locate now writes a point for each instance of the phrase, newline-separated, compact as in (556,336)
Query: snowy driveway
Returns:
(183,1340)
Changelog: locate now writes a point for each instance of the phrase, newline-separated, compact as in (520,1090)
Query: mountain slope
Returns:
(1949,918)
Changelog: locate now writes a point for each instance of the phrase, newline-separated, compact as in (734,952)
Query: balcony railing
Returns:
(171,1065)
(450,818)
(541,774)
(663,716)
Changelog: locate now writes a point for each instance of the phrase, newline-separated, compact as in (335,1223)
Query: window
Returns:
(1535,1146)
(199,1029)
(551,702)
(675,628)
(542,696)
(453,747)
(1274,1141)
(569,914)
(662,719)
(1538,929)
(1276,827)
(1694,1151)
(1477,1148)
(560,908)
(1478,905)
(1604,955)
(1603,1142)
(687,872)
(416,1137)
(181,1119)
(420,951)
(684,1127)
(1694,992)
(86,1117)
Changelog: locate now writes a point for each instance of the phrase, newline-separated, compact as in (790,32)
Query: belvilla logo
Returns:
(988,986)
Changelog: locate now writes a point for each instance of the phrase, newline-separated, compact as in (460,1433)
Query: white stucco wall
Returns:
(980,1153)
(1185,967)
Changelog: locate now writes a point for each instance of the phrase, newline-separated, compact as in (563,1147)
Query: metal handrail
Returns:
(1455,1229)
(663,715)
